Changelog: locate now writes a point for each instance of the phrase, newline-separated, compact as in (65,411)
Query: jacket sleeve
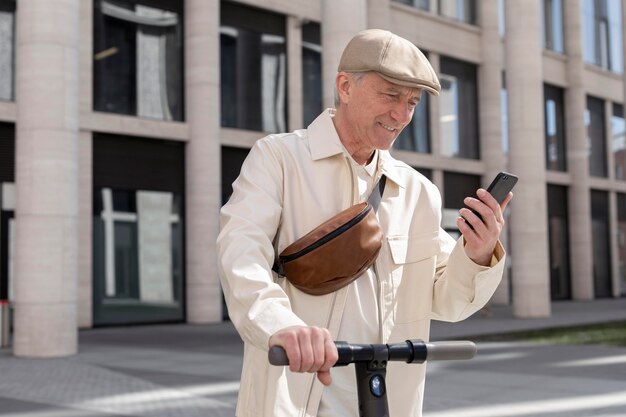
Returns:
(258,307)
(461,286)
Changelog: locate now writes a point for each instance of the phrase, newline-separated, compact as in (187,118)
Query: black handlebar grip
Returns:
(450,350)
(278,356)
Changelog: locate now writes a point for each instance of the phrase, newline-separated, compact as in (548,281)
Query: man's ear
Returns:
(343,83)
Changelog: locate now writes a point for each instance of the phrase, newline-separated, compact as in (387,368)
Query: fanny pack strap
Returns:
(373,200)
(377,193)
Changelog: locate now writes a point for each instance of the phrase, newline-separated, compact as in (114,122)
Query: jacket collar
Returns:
(323,138)
(391,169)
(324,142)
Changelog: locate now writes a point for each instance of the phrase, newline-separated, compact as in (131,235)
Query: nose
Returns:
(402,113)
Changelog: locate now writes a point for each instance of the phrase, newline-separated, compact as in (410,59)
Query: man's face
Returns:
(378,110)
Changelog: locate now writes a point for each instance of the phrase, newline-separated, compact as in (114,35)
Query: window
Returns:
(461,10)
(253,69)
(504,116)
(621,240)
(311,72)
(602,31)
(601,245)
(554,128)
(138,58)
(141,234)
(7,210)
(7,153)
(7,50)
(596,137)
(560,287)
(415,137)
(427,172)
(501,18)
(456,187)
(232,160)
(138,226)
(618,141)
(458,114)
(553,25)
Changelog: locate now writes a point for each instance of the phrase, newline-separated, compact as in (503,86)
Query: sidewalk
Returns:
(564,314)
(192,370)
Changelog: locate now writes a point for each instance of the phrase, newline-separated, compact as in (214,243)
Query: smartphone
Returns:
(499,188)
(501,185)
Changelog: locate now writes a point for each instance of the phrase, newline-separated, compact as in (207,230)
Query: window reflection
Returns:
(448,115)
(621,240)
(253,69)
(618,141)
(504,118)
(501,19)
(7,50)
(311,73)
(139,234)
(601,246)
(461,10)
(553,25)
(7,238)
(415,137)
(138,60)
(554,128)
(596,137)
(458,116)
(560,286)
(602,33)
(456,187)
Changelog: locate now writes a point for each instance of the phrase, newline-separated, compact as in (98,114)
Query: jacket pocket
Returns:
(413,274)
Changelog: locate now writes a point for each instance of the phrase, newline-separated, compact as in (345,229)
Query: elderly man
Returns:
(292,182)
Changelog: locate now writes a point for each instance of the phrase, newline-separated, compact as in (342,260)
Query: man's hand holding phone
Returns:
(481,222)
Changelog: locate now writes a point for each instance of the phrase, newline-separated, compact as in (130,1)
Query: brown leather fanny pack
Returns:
(336,252)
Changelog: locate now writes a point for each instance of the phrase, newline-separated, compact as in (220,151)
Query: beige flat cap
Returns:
(394,58)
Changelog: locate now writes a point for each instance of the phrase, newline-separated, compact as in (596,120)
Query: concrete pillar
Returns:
(341,20)
(434,124)
(202,159)
(85,230)
(624,51)
(434,118)
(46,267)
(579,200)
(528,220)
(614,219)
(85,168)
(379,14)
(614,244)
(294,76)
(612,205)
(490,86)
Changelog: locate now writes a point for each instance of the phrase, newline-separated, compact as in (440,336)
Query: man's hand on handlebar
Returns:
(309,349)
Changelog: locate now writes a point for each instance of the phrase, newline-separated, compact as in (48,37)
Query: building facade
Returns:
(124,122)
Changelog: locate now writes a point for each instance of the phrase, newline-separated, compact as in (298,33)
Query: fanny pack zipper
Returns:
(330,236)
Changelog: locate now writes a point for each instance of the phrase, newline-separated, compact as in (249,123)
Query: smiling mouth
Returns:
(389,128)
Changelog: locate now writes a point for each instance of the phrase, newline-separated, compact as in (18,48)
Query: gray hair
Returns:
(356,76)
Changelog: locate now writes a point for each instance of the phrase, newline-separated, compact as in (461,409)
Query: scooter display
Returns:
(370,361)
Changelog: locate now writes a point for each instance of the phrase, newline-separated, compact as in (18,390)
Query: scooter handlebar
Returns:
(451,350)
(411,351)
(278,356)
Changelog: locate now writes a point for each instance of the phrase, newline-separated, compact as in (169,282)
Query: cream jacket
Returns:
(289,184)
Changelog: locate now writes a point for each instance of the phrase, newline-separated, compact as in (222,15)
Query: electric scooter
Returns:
(370,361)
